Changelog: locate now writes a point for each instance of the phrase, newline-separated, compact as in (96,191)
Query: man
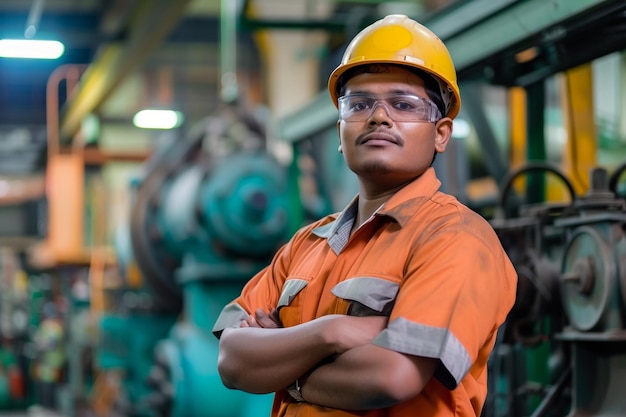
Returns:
(391,307)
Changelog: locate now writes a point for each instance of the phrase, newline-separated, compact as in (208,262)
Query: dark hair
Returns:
(430,84)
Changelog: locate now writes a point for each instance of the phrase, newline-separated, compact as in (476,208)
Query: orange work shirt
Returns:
(433,266)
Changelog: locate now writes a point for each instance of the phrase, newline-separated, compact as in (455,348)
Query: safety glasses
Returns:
(399,107)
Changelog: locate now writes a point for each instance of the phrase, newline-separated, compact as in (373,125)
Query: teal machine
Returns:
(208,213)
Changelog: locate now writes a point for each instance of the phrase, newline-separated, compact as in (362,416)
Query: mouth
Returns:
(378,139)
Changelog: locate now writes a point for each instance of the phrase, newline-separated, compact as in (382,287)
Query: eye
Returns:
(404,105)
(359,105)
(408,103)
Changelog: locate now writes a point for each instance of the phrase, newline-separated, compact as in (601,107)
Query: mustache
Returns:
(364,137)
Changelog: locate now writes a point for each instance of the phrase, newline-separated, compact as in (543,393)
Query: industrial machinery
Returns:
(15,322)
(570,259)
(207,214)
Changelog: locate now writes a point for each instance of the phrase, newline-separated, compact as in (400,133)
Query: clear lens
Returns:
(400,107)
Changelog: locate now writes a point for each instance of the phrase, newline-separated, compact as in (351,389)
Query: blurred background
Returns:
(155,153)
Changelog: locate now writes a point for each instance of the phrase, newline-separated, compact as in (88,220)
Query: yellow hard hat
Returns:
(397,39)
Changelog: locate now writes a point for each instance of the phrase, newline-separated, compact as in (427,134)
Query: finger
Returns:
(252,322)
(275,316)
(265,320)
(261,318)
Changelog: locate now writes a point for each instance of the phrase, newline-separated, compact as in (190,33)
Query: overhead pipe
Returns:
(117,17)
(34,16)
(229,15)
(329,24)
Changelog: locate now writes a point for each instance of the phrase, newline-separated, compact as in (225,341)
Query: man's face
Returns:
(381,149)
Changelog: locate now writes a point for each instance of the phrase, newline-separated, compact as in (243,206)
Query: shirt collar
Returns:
(401,206)
(347,215)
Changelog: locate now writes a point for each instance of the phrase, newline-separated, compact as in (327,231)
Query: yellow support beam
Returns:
(580,153)
(152,22)
(517,126)
(518,132)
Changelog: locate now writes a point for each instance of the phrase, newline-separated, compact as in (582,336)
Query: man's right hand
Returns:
(262,319)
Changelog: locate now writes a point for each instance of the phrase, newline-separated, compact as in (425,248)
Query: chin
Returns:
(376,168)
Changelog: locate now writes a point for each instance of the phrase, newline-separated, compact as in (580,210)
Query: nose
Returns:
(380,114)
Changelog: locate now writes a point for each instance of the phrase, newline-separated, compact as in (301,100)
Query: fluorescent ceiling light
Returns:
(28,48)
(158,119)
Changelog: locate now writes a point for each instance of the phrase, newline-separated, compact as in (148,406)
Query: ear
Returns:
(443,133)
(339,134)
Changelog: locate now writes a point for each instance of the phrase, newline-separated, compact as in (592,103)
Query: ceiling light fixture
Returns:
(158,119)
(29,48)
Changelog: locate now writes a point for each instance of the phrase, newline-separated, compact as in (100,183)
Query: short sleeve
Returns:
(262,291)
(458,288)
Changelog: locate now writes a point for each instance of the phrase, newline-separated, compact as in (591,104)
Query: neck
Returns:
(369,203)
(372,195)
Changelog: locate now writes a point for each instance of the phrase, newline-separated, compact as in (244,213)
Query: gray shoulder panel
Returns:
(375,293)
(230,316)
(291,288)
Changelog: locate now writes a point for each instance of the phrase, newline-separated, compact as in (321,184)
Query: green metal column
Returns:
(536,146)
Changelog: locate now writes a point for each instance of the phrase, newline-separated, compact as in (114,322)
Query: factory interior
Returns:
(121,241)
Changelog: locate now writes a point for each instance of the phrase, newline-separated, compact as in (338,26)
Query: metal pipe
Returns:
(71,73)
(34,16)
(228,50)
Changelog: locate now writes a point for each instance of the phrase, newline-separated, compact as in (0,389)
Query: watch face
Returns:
(294,392)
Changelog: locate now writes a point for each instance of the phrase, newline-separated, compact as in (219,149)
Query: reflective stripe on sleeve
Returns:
(417,339)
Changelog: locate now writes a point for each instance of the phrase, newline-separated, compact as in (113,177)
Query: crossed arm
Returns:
(332,356)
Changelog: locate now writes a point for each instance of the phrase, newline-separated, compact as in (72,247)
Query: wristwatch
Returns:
(295,391)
